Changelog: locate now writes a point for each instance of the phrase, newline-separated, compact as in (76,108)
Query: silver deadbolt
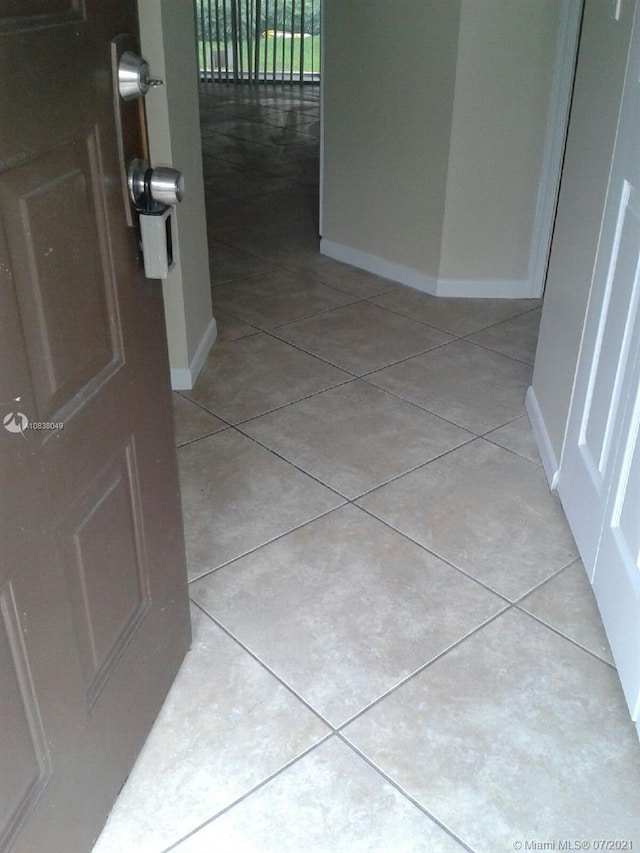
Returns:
(162,185)
(133,76)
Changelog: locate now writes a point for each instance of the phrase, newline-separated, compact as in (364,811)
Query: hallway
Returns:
(395,646)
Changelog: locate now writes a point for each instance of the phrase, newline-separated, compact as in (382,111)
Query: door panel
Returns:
(599,482)
(615,328)
(26,768)
(587,463)
(42,250)
(102,544)
(616,580)
(93,606)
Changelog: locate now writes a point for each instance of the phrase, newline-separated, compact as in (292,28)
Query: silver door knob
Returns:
(134,80)
(162,185)
(167,185)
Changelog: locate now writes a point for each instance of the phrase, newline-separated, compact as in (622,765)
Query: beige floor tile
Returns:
(330,801)
(355,437)
(300,203)
(487,511)
(359,282)
(515,735)
(262,231)
(361,337)
(209,746)
(229,264)
(191,421)
(248,377)
(229,327)
(517,436)
(457,316)
(464,383)
(236,496)
(254,131)
(244,182)
(517,337)
(223,212)
(344,608)
(271,299)
(240,224)
(566,602)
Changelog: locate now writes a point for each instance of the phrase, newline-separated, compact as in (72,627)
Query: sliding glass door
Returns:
(258,40)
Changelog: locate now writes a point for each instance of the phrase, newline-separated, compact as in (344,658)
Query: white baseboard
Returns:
(378,266)
(484,288)
(184,378)
(541,435)
(477,288)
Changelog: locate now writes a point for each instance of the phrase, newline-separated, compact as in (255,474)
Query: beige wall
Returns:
(388,77)
(435,116)
(592,129)
(506,56)
(167,38)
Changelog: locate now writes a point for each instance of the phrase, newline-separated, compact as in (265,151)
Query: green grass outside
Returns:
(269,45)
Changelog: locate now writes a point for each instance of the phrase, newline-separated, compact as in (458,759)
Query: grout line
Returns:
(368,373)
(510,450)
(402,474)
(522,414)
(264,665)
(398,285)
(354,502)
(367,377)
(419,670)
(219,238)
(251,791)
(521,313)
(297,347)
(495,351)
(487,437)
(349,378)
(205,411)
(295,465)
(433,553)
(338,730)
(200,437)
(300,470)
(271,329)
(506,604)
(391,781)
(458,337)
(564,636)
(518,601)
(231,282)
(269,541)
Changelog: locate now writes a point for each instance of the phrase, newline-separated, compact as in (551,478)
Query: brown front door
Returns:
(93,605)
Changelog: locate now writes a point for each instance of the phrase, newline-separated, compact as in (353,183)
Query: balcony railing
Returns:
(258,40)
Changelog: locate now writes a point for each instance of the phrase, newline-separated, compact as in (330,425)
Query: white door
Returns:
(599,482)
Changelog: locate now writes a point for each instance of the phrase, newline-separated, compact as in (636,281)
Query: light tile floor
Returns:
(395,644)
